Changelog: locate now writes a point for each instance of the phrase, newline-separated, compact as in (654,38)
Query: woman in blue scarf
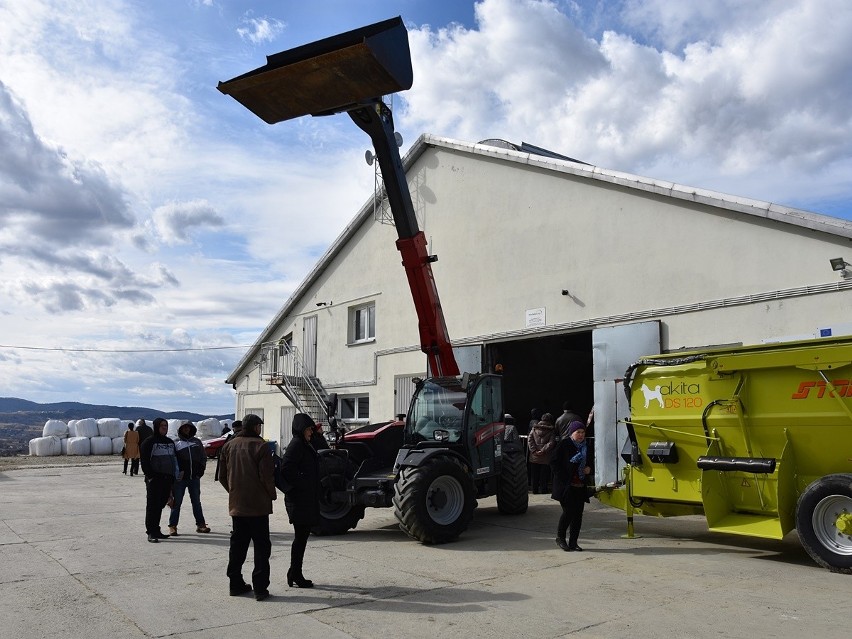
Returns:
(569,484)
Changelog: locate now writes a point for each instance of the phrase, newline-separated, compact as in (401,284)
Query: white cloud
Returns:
(260,30)
(748,90)
(175,221)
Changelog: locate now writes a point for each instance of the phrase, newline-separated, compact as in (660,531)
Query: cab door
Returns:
(484,420)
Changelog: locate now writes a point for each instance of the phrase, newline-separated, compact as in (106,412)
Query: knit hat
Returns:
(573,427)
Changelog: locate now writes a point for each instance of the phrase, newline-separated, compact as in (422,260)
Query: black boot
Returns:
(298,579)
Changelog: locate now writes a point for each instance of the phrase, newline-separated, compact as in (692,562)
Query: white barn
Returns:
(558,272)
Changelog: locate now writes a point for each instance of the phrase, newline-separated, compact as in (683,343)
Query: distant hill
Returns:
(21,419)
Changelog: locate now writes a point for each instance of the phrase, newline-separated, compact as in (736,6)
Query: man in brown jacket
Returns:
(246,472)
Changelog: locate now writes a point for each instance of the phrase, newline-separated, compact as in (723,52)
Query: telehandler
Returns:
(452,447)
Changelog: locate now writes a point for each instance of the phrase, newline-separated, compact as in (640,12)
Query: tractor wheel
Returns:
(512,494)
(824,522)
(336,517)
(434,502)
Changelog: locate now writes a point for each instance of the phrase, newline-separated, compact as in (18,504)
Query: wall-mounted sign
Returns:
(535,317)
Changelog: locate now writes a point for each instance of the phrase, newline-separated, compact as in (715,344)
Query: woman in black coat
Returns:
(570,470)
(300,469)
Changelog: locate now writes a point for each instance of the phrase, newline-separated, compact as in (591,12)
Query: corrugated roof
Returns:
(533,156)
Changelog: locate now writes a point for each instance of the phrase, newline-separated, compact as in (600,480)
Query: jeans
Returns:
(194,488)
(250,530)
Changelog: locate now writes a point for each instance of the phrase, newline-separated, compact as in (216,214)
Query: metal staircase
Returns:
(282,366)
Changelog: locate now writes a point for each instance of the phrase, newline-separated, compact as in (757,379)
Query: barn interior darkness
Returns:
(544,372)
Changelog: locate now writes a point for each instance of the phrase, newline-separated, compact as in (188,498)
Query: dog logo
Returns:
(652,394)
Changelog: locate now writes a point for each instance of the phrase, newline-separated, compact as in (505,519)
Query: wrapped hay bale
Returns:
(80,445)
(101,445)
(117,445)
(46,446)
(174,424)
(55,428)
(72,427)
(87,428)
(208,428)
(111,427)
(64,442)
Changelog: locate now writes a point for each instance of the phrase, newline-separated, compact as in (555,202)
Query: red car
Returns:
(213,446)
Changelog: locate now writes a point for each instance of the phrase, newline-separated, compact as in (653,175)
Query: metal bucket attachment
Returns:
(327,76)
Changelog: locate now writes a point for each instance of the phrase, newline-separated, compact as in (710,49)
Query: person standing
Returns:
(568,415)
(131,450)
(300,469)
(159,463)
(192,461)
(570,469)
(542,441)
(246,472)
(144,430)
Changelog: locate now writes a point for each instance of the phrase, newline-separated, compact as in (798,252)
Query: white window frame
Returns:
(368,334)
(358,408)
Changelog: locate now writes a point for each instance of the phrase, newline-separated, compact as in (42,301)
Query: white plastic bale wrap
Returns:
(55,428)
(208,428)
(111,427)
(87,427)
(72,427)
(101,445)
(64,442)
(79,445)
(117,445)
(46,446)
(174,424)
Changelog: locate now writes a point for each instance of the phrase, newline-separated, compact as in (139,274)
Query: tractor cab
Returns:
(463,414)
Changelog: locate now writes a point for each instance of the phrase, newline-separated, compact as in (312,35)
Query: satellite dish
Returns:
(398,138)
(369,157)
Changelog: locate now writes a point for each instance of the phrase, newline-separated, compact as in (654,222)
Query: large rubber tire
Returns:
(336,518)
(824,522)
(513,496)
(434,502)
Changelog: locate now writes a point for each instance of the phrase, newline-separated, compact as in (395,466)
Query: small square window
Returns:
(354,407)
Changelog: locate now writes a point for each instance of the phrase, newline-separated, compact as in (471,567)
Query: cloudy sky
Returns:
(150,227)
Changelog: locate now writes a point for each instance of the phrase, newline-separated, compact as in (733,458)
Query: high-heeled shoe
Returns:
(298,580)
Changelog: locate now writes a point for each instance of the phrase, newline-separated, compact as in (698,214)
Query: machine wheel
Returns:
(512,494)
(336,517)
(434,502)
(824,522)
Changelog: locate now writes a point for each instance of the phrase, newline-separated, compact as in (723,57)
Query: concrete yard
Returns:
(75,562)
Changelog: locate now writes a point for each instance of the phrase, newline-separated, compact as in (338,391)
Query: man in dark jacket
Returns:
(564,420)
(300,468)
(159,464)
(192,461)
(246,472)
(144,430)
